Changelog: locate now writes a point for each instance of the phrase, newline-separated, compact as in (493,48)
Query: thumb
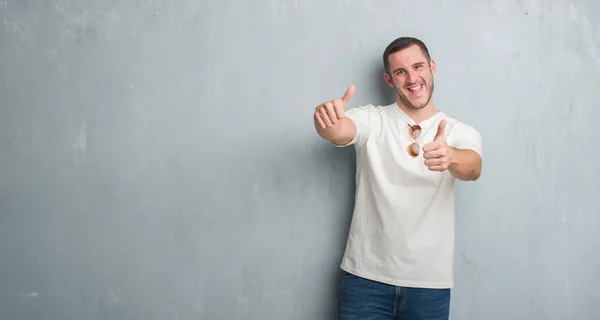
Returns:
(441,129)
(348,95)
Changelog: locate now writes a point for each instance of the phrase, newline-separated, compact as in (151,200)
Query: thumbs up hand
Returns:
(437,154)
(327,114)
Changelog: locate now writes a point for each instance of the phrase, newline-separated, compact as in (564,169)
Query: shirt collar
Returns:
(404,117)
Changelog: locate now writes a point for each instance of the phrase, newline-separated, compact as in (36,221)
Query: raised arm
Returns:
(463,163)
(330,122)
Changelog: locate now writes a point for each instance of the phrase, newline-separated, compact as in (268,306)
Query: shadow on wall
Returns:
(384,93)
(345,161)
(376,91)
(379,93)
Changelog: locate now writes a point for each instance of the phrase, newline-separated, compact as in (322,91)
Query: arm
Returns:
(339,133)
(331,123)
(462,157)
(465,164)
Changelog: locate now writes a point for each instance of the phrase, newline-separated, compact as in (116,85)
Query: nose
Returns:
(412,76)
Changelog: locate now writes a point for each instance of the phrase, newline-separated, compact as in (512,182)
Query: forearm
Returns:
(340,133)
(465,165)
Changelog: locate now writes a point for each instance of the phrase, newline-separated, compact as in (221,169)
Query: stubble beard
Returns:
(406,101)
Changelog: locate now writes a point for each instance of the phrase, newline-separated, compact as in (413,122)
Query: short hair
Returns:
(401,44)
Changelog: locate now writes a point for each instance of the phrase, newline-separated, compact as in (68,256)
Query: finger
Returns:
(435,162)
(325,117)
(436,168)
(441,129)
(338,107)
(331,112)
(434,145)
(437,153)
(349,93)
(319,120)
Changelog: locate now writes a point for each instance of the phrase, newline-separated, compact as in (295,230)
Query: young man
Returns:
(399,255)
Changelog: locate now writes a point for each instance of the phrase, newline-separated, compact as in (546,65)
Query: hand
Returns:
(328,113)
(437,154)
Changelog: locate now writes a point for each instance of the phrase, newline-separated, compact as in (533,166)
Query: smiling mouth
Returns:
(415,89)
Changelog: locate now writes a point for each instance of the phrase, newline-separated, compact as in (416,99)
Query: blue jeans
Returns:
(369,300)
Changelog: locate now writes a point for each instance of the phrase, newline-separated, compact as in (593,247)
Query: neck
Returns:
(418,115)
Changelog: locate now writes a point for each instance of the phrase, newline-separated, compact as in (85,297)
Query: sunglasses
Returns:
(415,132)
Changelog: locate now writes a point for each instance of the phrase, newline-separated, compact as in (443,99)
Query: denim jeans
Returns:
(369,300)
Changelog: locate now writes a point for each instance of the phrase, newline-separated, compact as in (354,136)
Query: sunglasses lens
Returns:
(415,131)
(414,149)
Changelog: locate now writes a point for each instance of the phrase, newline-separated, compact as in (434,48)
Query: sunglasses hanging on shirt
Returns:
(415,132)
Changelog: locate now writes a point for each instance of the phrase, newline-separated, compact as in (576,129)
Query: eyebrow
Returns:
(414,65)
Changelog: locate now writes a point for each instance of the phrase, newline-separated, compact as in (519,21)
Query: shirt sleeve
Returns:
(467,137)
(361,116)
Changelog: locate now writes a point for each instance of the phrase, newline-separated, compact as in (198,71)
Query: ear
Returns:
(388,79)
(432,65)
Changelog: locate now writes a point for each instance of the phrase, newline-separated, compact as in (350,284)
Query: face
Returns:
(411,76)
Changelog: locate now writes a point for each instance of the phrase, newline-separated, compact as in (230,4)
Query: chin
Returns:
(418,107)
(415,105)
(420,103)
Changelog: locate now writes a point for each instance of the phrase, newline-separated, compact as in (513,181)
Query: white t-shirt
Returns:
(402,230)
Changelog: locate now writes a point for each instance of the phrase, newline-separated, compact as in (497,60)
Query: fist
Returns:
(328,113)
(437,154)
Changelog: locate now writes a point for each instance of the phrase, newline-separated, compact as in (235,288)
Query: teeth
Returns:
(415,88)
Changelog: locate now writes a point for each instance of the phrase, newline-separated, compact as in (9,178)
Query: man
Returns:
(399,256)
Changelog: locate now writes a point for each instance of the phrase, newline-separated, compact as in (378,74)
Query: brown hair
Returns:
(401,44)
